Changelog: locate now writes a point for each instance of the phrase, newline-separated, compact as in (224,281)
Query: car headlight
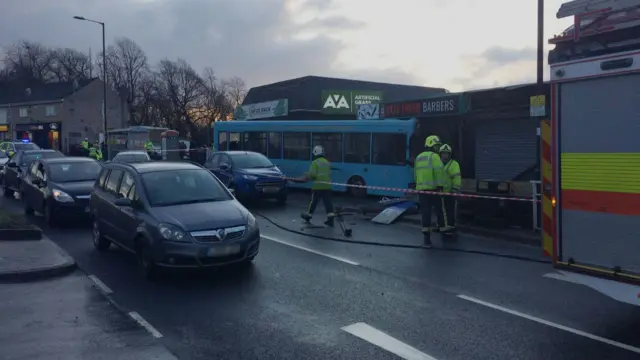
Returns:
(62,196)
(251,220)
(250,177)
(173,233)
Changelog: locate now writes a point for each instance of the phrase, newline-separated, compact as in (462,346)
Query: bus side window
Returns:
(332,144)
(234,141)
(389,149)
(357,148)
(255,141)
(275,145)
(222,141)
(296,146)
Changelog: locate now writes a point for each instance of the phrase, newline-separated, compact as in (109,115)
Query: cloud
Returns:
(498,66)
(259,41)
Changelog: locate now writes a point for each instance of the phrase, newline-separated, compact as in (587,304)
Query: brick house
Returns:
(59,115)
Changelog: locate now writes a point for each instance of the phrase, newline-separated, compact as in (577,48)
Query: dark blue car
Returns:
(249,174)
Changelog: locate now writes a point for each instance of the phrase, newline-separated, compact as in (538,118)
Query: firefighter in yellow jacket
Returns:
(452,182)
(320,174)
(428,172)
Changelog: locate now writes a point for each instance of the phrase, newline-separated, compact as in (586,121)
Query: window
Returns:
(126,185)
(33,169)
(177,187)
(74,171)
(30,157)
(255,141)
(389,149)
(50,110)
(275,145)
(103,177)
(224,159)
(214,161)
(113,181)
(3,146)
(4,117)
(251,161)
(133,194)
(234,141)
(26,146)
(332,144)
(24,112)
(357,148)
(222,141)
(296,146)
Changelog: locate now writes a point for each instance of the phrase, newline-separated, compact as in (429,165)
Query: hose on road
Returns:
(405,246)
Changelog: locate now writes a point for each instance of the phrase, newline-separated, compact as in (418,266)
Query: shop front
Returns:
(45,135)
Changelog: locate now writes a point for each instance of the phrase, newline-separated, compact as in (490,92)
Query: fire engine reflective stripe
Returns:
(609,172)
(547,176)
(601,182)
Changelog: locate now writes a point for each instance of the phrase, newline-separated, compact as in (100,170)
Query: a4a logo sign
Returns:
(336,101)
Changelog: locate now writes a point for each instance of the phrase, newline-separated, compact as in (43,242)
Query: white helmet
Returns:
(318,150)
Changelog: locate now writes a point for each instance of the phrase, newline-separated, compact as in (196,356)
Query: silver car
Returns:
(131,157)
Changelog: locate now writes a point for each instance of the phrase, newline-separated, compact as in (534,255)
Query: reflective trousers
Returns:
(429,202)
(316,197)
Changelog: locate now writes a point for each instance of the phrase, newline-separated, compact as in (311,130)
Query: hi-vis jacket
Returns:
(148,145)
(320,173)
(452,177)
(95,153)
(428,171)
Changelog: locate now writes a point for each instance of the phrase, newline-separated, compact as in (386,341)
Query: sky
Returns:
(455,44)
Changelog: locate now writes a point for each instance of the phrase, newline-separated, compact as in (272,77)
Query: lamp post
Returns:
(540,63)
(104,77)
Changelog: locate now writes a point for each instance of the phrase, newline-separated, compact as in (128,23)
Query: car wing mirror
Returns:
(224,167)
(36,181)
(123,202)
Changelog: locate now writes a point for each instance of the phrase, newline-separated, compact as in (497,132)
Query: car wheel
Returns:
(148,269)
(28,210)
(282,199)
(99,242)
(49,217)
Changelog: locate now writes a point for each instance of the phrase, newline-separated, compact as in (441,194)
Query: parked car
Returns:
(171,215)
(12,147)
(251,175)
(131,157)
(59,188)
(4,159)
(17,167)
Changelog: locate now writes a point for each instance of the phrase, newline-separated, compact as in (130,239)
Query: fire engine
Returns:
(591,149)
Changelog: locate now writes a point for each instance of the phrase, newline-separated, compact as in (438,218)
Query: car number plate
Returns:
(223,250)
(86,209)
(271,189)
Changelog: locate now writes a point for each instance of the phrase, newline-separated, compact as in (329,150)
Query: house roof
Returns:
(13,93)
(305,93)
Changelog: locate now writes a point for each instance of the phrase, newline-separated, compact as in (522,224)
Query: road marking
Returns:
(156,334)
(376,337)
(346,261)
(552,324)
(102,286)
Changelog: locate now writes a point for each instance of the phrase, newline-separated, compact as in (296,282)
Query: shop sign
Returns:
(262,110)
(347,101)
(444,105)
(368,112)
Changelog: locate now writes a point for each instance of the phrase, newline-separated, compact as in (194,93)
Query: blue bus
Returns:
(362,152)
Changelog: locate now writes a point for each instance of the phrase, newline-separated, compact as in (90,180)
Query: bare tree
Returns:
(237,90)
(28,61)
(69,64)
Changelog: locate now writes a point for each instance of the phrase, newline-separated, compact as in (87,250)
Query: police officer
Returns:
(320,173)
(428,170)
(95,152)
(148,147)
(85,144)
(452,182)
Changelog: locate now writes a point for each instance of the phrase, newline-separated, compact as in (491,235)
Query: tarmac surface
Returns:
(307,298)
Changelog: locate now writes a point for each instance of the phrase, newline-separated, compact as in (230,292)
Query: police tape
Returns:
(427,192)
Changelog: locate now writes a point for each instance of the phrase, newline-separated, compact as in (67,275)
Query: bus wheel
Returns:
(358,192)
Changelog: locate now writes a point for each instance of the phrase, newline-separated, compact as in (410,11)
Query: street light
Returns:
(104,77)
(540,64)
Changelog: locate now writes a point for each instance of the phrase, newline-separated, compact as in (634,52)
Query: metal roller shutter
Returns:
(505,148)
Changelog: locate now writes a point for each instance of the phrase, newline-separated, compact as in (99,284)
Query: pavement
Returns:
(307,298)
(31,260)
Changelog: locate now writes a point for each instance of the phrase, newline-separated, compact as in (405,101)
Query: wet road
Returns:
(312,299)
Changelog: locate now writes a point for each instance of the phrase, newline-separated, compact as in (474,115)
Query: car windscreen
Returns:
(26,146)
(29,158)
(176,187)
(251,161)
(73,171)
(131,158)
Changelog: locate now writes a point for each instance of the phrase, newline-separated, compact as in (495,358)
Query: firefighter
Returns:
(85,144)
(320,174)
(95,152)
(452,181)
(428,170)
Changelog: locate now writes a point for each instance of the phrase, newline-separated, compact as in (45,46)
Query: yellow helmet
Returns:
(432,141)
(445,148)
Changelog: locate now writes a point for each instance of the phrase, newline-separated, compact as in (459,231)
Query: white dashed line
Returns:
(552,324)
(346,261)
(378,338)
(135,316)
(102,286)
